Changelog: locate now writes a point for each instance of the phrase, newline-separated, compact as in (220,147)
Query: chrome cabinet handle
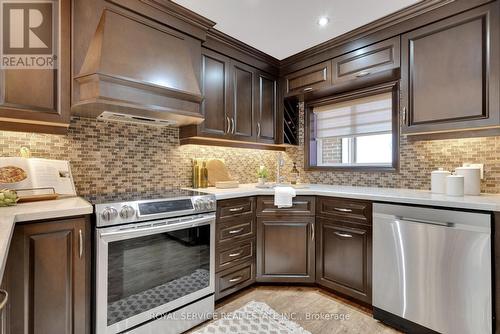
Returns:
(236,209)
(258,129)
(236,231)
(312,231)
(80,246)
(5,298)
(228,121)
(234,127)
(404,115)
(235,254)
(362,74)
(307,89)
(236,279)
(342,210)
(343,235)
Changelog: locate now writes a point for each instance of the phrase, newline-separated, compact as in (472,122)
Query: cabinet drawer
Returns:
(302,206)
(343,209)
(308,79)
(238,252)
(368,60)
(234,279)
(235,229)
(235,207)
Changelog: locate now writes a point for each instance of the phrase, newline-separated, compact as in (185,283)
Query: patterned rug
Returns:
(253,318)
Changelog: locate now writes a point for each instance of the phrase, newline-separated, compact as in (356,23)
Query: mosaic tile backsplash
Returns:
(117,157)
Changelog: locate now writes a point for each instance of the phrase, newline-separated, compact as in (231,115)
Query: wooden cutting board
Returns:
(217,171)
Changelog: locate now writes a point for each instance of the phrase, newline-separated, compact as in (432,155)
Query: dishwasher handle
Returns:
(424,221)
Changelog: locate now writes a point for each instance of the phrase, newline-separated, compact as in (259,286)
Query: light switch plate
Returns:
(477,166)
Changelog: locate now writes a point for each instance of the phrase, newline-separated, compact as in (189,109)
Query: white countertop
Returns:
(484,202)
(64,207)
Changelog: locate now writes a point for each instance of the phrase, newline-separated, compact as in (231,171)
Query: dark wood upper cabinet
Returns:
(38,100)
(48,278)
(266,108)
(309,79)
(243,102)
(239,106)
(450,73)
(285,251)
(366,61)
(215,85)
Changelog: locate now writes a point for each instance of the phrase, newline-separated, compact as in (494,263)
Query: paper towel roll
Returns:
(472,179)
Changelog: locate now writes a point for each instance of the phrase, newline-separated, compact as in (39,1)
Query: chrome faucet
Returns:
(280,179)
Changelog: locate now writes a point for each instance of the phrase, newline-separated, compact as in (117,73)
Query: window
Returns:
(354,131)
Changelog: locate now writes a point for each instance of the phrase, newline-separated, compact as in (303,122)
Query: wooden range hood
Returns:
(137,68)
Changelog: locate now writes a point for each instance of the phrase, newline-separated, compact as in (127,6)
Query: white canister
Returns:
(472,179)
(438,181)
(455,185)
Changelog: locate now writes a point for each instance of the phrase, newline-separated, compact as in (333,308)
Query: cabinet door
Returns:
(450,73)
(372,59)
(285,249)
(49,278)
(35,97)
(243,89)
(344,262)
(266,108)
(309,79)
(215,88)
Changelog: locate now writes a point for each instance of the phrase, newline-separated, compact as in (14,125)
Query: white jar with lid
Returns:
(472,179)
(438,181)
(455,185)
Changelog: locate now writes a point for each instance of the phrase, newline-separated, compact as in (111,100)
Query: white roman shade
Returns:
(361,116)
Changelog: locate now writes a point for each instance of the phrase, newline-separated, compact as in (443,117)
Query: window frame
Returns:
(310,145)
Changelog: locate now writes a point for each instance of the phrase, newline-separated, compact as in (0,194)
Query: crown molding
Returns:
(182,13)
(374,26)
(242,47)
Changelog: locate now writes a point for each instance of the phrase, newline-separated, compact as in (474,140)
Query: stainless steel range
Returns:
(154,262)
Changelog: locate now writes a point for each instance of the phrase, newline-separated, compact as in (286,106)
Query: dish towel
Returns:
(283,197)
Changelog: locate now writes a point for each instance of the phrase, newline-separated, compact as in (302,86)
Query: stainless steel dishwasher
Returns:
(432,269)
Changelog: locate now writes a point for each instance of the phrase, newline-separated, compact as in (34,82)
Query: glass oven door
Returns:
(145,270)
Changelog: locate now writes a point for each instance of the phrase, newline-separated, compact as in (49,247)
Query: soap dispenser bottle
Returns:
(204,175)
(294,174)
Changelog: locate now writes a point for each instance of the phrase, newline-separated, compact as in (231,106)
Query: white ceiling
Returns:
(282,28)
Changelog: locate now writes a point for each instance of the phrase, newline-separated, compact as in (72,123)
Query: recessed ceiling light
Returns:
(323,21)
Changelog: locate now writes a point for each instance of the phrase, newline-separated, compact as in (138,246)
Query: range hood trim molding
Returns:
(124,81)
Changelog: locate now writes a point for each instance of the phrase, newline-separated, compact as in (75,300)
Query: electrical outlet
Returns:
(477,166)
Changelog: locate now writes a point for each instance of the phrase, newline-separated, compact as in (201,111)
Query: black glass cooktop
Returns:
(142,196)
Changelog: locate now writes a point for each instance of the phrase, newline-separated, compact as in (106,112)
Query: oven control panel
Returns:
(129,212)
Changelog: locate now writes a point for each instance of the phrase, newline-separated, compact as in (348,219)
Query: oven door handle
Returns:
(120,234)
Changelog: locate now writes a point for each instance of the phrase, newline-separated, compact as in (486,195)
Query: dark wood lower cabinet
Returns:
(285,249)
(343,258)
(48,278)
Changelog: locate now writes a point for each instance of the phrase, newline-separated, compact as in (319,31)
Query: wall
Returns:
(116,157)
(417,160)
